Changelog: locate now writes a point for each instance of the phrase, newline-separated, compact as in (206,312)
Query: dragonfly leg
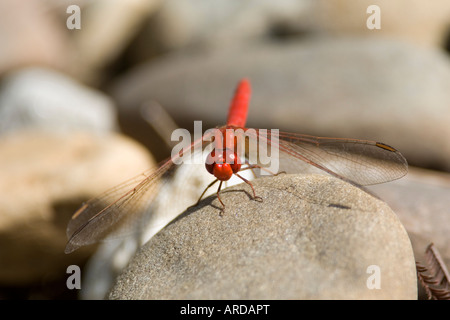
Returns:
(220,200)
(250,167)
(255,197)
(204,191)
(253,166)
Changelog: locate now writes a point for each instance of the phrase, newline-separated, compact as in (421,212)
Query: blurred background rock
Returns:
(69,98)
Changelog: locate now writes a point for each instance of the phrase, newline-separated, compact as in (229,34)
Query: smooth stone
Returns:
(422,202)
(177,192)
(108,26)
(32,34)
(311,237)
(424,23)
(342,87)
(45,179)
(44,99)
(178,24)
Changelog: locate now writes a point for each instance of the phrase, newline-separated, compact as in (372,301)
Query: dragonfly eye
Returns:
(223,164)
(222,171)
(234,162)
(210,167)
(211,161)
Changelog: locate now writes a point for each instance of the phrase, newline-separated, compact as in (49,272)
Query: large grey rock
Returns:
(177,192)
(179,24)
(185,23)
(312,237)
(356,88)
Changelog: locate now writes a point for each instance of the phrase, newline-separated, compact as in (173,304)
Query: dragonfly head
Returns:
(223,164)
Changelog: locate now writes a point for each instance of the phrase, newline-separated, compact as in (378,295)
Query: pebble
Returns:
(45,179)
(312,237)
(422,202)
(44,99)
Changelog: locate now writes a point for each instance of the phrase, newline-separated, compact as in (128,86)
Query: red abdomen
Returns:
(237,114)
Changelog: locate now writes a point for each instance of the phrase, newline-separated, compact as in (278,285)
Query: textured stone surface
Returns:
(422,202)
(312,237)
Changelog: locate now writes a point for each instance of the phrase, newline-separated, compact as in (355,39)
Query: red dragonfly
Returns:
(359,162)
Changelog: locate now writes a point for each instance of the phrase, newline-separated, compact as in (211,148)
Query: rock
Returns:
(353,87)
(312,237)
(419,21)
(422,202)
(108,26)
(45,178)
(42,99)
(36,34)
(32,35)
(178,24)
(177,193)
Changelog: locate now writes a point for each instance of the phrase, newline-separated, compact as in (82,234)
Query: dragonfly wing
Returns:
(120,210)
(113,212)
(361,162)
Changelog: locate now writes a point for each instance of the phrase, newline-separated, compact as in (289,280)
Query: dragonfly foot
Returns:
(258,198)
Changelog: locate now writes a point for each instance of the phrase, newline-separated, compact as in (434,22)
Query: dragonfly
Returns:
(358,162)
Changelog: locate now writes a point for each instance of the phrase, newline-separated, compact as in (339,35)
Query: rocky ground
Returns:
(82,110)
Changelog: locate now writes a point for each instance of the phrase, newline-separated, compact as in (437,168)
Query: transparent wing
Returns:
(118,210)
(107,214)
(362,162)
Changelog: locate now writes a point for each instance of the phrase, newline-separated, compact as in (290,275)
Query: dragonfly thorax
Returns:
(223,164)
